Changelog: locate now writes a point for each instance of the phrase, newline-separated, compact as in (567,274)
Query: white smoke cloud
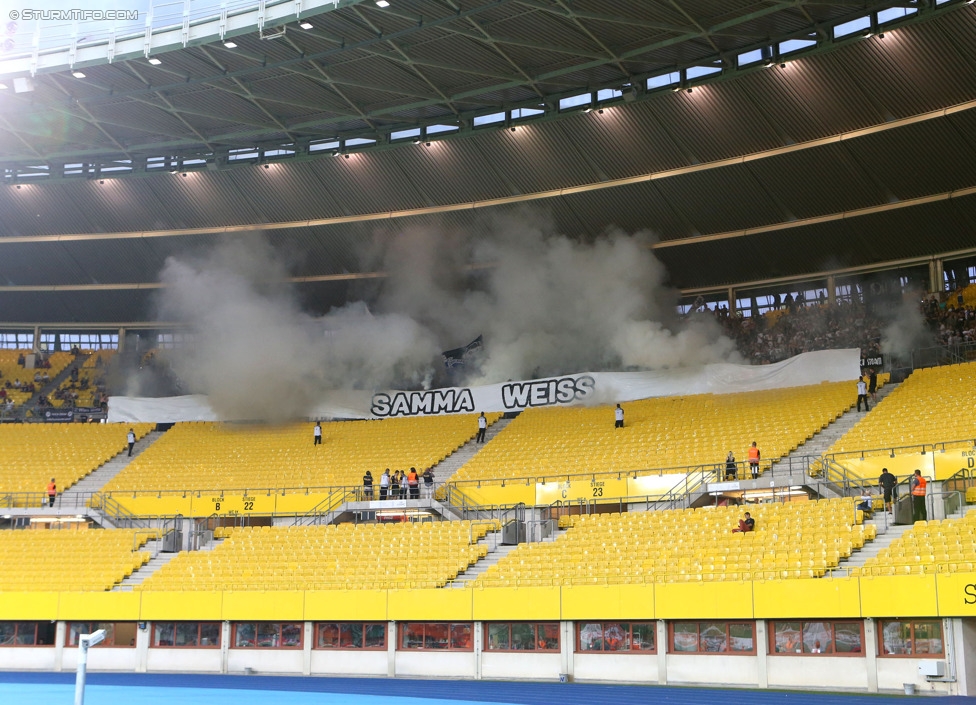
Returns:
(545,305)
(906,328)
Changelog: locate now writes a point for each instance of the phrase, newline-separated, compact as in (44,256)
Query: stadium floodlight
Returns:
(85,641)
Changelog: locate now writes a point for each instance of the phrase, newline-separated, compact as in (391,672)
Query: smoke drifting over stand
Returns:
(544,303)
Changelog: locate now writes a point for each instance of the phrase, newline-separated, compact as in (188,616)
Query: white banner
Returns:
(582,388)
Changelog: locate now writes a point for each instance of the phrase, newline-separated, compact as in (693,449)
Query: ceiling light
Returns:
(782,66)
(689,90)
(154,61)
(346,156)
(230,45)
(587,109)
(383,3)
(512,129)
(416,140)
(183,174)
(77,74)
(101,181)
(881,34)
(427,143)
(600,111)
(305,25)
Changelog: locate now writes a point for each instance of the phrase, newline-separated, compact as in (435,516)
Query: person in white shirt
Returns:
(482,428)
(618,416)
(384,483)
(317,434)
(862,394)
(131,438)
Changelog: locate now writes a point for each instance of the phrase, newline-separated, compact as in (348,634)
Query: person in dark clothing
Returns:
(731,469)
(368,485)
(888,482)
(873,384)
(746,524)
(428,482)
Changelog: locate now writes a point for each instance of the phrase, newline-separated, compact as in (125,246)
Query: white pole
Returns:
(82,669)
(84,642)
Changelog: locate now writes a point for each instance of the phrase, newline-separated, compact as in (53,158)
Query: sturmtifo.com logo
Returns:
(72,15)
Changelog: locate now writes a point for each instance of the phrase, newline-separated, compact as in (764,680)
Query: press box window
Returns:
(713,637)
(116,633)
(817,638)
(615,636)
(27,633)
(350,635)
(204,635)
(522,636)
(437,636)
(267,635)
(911,638)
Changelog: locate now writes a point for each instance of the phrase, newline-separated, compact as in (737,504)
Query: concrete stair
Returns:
(96,480)
(494,555)
(887,533)
(137,577)
(821,441)
(452,463)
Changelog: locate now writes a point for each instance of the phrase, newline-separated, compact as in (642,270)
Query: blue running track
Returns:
(170,689)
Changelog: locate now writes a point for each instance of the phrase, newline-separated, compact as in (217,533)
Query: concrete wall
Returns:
(867,673)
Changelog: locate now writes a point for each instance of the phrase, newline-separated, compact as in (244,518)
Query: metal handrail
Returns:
(890,450)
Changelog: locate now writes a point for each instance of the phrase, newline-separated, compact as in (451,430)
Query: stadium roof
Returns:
(858,150)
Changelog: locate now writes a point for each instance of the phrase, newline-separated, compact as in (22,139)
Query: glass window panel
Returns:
(246,635)
(461,636)
(786,637)
(46,633)
(436,636)
(187,633)
(375,636)
(591,637)
(643,637)
(615,636)
(847,638)
(25,633)
(549,636)
(667,79)
(742,637)
(8,632)
(351,636)
(412,636)
(928,637)
(712,637)
(210,634)
(523,637)
(498,637)
(816,638)
(291,634)
(163,633)
(328,636)
(685,637)
(268,635)
(896,637)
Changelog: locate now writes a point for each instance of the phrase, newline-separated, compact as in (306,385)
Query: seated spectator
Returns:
(864,504)
(746,524)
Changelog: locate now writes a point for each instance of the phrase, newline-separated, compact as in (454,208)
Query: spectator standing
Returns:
(317,434)
(395,485)
(413,483)
(731,471)
(873,384)
(917,484)
(384,484)
(482,428)
(52,492)
(862,394)
(754,456)
(429,483)
(368,486)
(618,417)
(130,437)
(888,483)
